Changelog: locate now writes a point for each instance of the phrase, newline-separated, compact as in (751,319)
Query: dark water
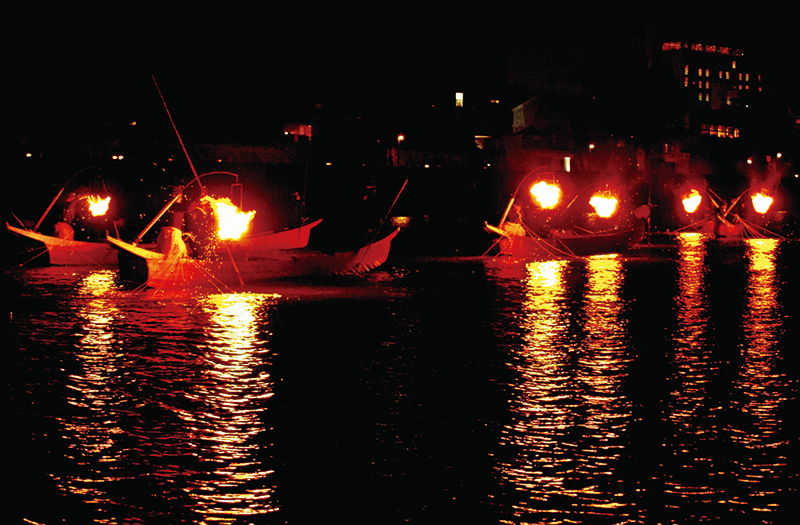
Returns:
(657,388)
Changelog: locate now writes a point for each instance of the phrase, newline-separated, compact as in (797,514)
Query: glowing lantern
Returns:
(232,222)
(761,202)
(546,195)
(604,205)
(98,206)
(692,201)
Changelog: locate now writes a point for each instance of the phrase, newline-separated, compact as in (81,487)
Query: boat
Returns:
(69,252)
(242,265)
(283,240)
(521,243)
(722,223)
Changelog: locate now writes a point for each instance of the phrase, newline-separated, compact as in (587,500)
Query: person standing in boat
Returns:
(170,237)
(64,228)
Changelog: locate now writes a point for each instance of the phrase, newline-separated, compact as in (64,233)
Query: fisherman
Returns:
(170,237)
(63,228)
(202,225)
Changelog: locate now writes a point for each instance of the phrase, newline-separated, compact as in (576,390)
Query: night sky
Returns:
(244,69)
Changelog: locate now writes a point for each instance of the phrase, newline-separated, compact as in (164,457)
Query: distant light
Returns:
(567,165)
(591,146)
(494,101)
(459,100)
(117,157)
(133,123)
(427,165)
(749,161)
(401,137)
(29,155)
(329,163)
(778,155)
(219,160)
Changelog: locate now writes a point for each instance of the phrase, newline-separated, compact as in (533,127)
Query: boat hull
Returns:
(242,266)
(566,244)
(64,252)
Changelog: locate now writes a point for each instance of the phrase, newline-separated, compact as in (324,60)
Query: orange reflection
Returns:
(553,396)
(761,386)
(230,400)
(93,431)
(694,365)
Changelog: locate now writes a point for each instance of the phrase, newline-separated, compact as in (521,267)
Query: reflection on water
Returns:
(761,384)
(226,407)
(603,390)
(568,415)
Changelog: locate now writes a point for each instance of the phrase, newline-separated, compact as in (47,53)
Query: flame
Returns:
(604,205)
(232,222)
(761,202)
(98,206)
(692,201)
(547,195)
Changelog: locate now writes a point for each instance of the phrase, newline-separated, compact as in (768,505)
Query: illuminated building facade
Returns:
(714,78)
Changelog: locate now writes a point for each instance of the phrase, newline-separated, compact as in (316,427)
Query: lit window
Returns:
(720,74)
(706,97)
(740,77)
(707,73)
(734,64)
(686,82)
(567,165)
(686,70)
(697,47)
(700,97)
(747,77)
(700,72)
(736,133)
(707,84)
(724,51)
(459,100)
(727,75)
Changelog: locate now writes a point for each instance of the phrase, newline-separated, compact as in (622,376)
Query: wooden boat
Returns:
(520,243)
(66,252)
(243,265)
(283,240)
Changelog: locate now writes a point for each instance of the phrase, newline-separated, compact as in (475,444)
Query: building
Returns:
(716,80)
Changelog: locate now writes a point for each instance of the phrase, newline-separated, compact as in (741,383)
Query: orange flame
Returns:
(692,201)
(98,206)
(604,205)
(232,222)
(761,202)
(547,195)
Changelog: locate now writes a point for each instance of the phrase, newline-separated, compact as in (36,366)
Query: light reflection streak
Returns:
(694,366)
(564,436)
(93,432)
(690,405)
(228,404)
(760,385)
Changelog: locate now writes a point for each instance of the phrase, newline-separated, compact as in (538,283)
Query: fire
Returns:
(692,201)
(232,222)
(98,206)
(605,206)
(547,195)
(761,202)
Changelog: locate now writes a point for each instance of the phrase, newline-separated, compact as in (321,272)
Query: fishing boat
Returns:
(242,265)
(521,243)
(521,240)
(69,252)
(721,221)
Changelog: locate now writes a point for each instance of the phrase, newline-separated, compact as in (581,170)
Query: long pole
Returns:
(194,171)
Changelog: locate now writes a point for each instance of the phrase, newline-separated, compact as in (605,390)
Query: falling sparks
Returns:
(692,201)
(546,195)
(761,202)
(604,205)
(232,222)
(98,206)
